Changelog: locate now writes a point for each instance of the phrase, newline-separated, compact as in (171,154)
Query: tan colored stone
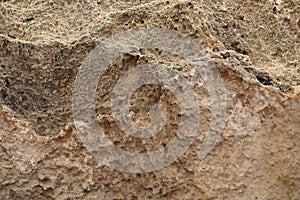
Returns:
(255,46)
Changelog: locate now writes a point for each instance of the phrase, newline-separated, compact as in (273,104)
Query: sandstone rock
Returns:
(255,46)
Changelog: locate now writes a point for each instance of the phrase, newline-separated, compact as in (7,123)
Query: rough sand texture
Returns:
(256,46)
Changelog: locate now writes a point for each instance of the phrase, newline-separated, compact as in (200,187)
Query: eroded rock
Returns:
(255,47)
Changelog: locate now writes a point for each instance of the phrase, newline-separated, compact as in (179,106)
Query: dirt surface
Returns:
(255,46)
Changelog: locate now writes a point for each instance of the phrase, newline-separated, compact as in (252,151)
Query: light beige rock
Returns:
(255,46)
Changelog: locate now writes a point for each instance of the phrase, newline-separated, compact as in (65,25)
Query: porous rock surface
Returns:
(255,45)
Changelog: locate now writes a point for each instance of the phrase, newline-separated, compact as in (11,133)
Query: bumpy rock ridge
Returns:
(255,46)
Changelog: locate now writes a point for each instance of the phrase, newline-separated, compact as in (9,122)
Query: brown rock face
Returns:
(254,152)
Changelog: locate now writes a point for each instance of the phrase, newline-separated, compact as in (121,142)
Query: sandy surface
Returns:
(256,48)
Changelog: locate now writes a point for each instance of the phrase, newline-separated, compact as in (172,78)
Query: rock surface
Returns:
(256,48)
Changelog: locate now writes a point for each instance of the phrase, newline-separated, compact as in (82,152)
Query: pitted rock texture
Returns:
(255,45)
